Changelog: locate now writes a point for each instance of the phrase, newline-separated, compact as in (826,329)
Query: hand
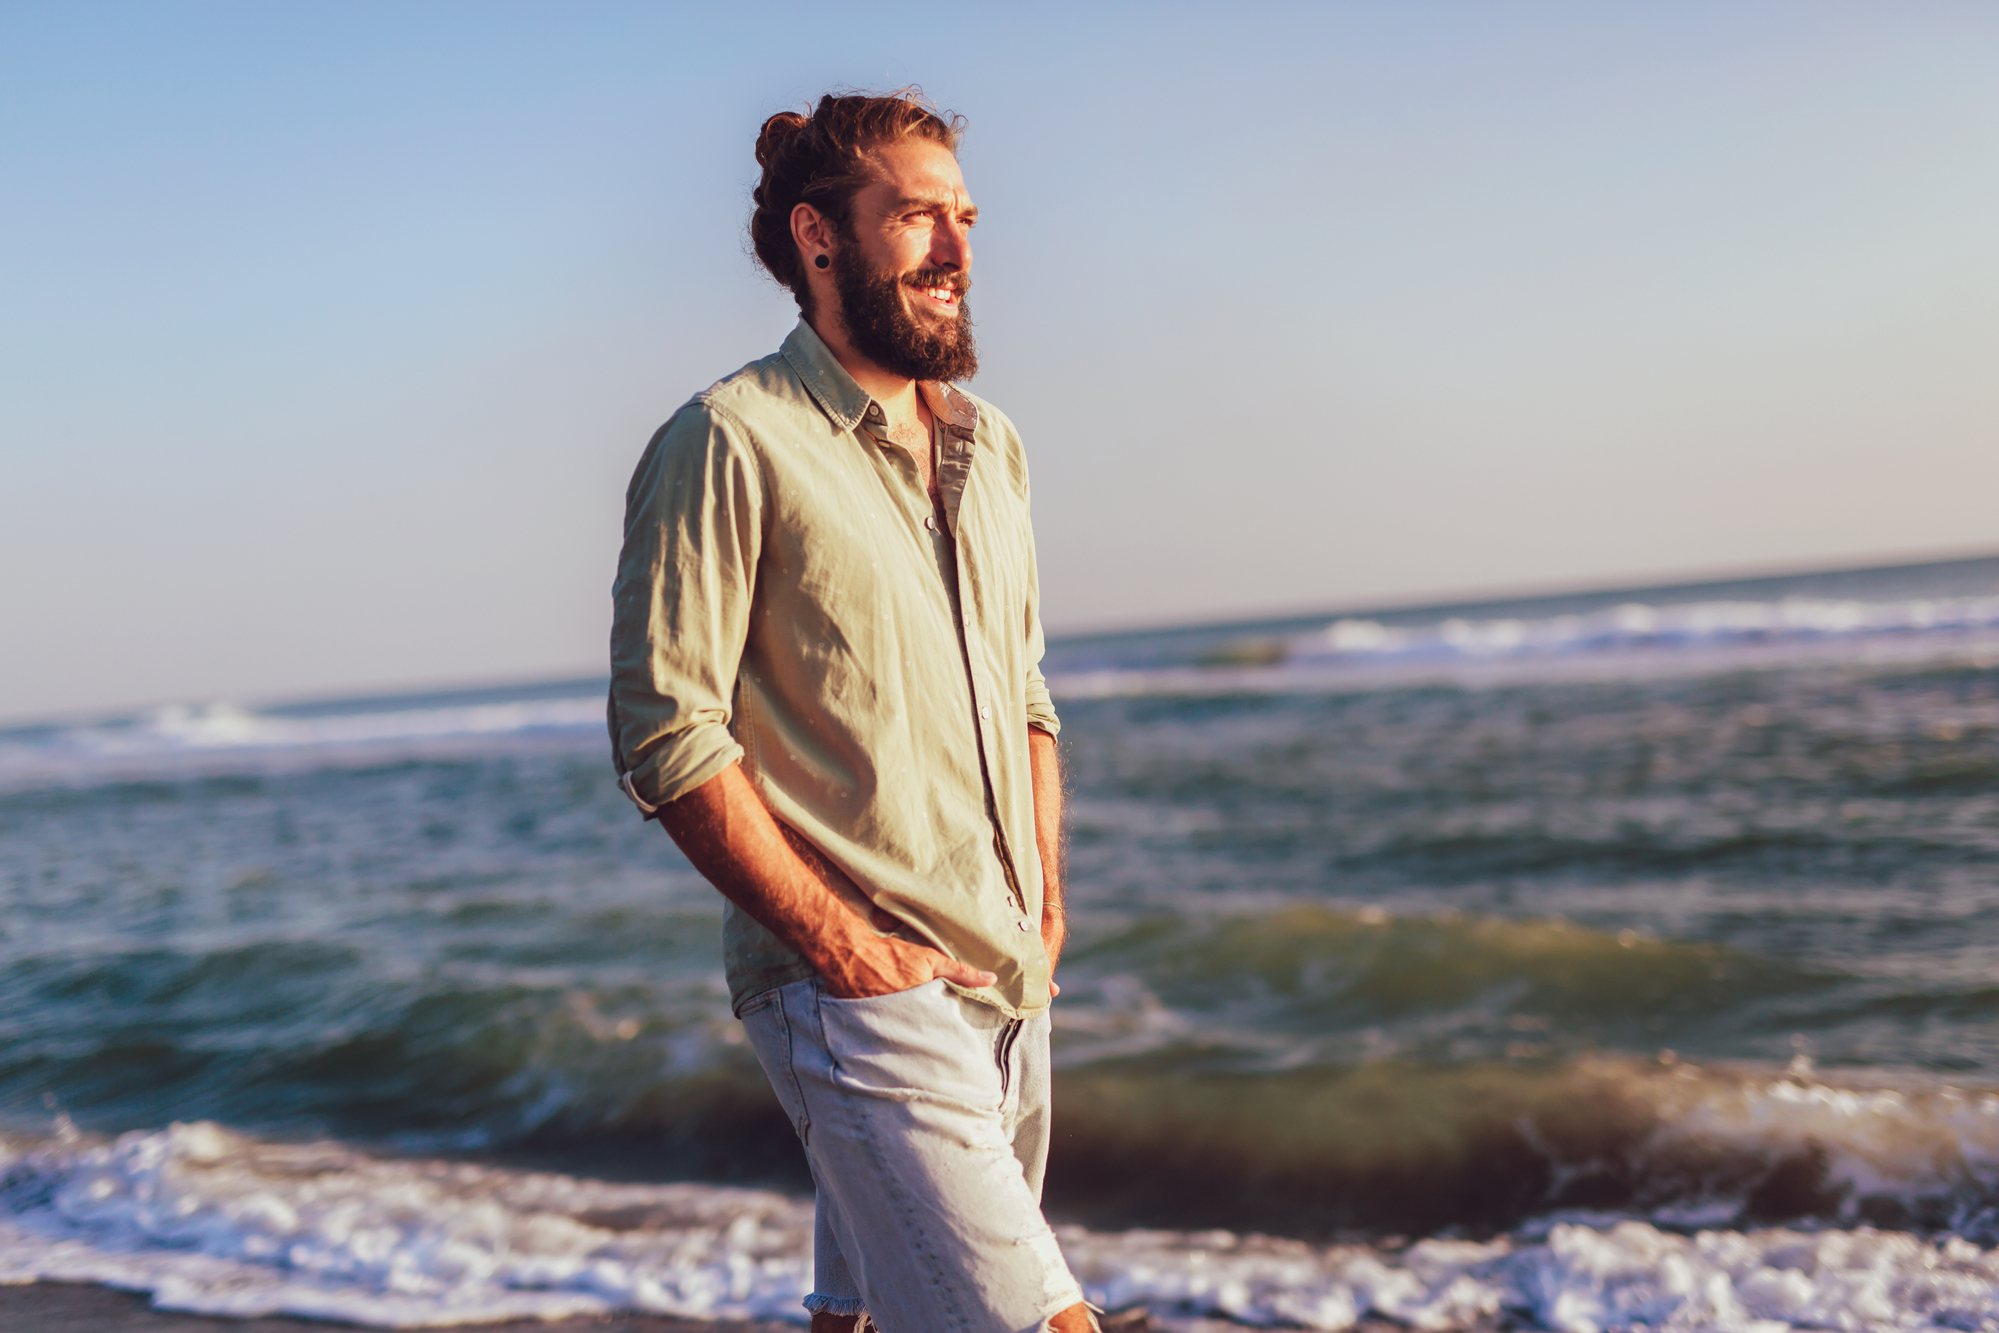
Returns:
(872,965)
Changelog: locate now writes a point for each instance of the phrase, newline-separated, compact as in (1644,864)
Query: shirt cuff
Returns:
(678,766)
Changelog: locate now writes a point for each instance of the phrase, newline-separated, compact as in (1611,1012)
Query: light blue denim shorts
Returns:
(925,1117)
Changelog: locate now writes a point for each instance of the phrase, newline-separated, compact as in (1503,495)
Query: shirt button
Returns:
(930,522)
(1023,925)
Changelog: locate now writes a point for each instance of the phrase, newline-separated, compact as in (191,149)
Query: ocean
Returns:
(1611,961)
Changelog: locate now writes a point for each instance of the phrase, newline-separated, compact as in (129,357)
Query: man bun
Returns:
(822,159)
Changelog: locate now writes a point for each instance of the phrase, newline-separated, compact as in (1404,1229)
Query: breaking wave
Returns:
(1302,1071)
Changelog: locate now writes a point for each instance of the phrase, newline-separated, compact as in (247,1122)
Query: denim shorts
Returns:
(925,1119)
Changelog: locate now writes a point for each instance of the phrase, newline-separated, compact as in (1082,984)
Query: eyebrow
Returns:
(911,201)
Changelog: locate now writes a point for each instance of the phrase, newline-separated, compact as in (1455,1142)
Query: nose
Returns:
(951,246)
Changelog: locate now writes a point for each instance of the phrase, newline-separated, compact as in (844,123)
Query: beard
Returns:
(883,329)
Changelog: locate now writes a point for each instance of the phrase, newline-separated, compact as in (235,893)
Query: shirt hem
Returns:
(985,996)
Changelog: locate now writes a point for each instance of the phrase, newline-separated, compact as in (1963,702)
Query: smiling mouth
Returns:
(945,294)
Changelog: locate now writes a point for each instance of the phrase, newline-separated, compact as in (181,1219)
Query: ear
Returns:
(812,232)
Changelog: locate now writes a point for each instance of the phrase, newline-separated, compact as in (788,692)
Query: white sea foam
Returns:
(1634,624)
(222,726)
(210,1221)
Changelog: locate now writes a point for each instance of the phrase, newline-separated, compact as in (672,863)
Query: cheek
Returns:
(916,249)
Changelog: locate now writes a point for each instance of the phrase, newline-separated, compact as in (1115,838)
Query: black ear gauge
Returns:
(820,261)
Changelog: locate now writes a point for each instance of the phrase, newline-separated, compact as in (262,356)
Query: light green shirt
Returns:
(788,599)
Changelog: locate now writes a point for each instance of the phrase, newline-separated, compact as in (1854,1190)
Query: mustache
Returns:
(951,279)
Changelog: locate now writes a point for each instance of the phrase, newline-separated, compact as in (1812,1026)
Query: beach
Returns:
(60,1308)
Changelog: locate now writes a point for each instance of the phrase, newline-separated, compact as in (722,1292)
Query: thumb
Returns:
(963,973)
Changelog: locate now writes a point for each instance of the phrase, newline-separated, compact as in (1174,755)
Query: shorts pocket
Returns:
(756,1003)
(919,1044)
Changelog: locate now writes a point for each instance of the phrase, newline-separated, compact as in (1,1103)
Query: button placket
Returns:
(982,729)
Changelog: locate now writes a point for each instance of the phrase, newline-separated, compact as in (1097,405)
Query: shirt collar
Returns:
(823,376)
(847,402)
(959,414)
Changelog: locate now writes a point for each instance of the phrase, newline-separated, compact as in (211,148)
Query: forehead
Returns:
(917,171)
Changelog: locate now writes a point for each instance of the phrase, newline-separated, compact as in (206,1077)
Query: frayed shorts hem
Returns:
(841,1305)
(1075,1298)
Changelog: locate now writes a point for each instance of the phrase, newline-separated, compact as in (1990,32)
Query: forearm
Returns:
(1045,763)
(726,831)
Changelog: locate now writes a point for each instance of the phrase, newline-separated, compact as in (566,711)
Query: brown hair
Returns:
(822,159)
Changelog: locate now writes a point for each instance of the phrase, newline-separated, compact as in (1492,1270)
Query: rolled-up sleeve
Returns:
(1040,704)
(681,606)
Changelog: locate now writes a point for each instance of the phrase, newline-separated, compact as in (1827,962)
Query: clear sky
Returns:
(332,331)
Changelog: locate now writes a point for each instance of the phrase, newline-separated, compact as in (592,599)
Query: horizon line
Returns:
(1442,601)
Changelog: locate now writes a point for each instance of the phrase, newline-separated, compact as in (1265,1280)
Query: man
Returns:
(826,686)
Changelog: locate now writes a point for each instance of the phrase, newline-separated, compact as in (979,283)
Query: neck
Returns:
(893,392)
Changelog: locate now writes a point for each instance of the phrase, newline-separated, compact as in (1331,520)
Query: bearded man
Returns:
(826,686)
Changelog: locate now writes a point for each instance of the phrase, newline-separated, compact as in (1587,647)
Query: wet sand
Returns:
(52,1307)
(56,1307)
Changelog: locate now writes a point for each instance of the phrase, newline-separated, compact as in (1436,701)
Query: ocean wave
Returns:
(221,737)
(1637,624)
(1386,1147)
(1309,1070)
(214,1222)
(1314,984)
(1633,638)
(1425,1149)
(1303,1070)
